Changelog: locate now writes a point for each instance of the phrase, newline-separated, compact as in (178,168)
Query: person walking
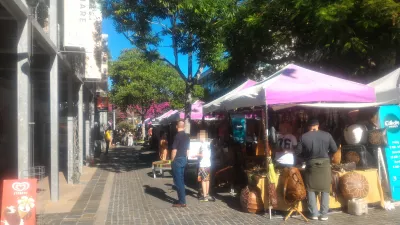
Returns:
(130,139)
(315,147)
(205,164)
(108,138)
(180,148)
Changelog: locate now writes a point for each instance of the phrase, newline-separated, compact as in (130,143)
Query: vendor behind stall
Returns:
(287,143)
(315,147)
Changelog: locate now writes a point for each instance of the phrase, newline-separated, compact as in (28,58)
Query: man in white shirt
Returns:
(287,143)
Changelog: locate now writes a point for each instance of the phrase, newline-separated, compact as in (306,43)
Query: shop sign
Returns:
(18,204)
(389,118)
(102,104)
(76,13)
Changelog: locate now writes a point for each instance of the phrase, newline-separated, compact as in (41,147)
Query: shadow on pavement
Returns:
(158,193)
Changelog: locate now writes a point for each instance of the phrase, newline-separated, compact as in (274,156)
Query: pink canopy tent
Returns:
(294,84)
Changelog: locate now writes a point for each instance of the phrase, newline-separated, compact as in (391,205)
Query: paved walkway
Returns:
(136,198)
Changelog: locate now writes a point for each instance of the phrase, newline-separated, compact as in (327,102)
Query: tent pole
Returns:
(268,157)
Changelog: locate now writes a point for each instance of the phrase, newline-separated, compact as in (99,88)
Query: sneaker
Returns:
(211,198)
(323,218)
(203,199)
(313,217)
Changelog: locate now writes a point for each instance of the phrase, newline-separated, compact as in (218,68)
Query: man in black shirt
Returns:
(180,147)
(315,147)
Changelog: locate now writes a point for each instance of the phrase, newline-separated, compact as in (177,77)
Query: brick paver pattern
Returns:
(139,199)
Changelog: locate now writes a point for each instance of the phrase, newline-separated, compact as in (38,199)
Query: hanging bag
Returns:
(294,189)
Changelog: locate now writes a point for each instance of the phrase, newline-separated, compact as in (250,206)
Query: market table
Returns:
(161,167)
(375,194)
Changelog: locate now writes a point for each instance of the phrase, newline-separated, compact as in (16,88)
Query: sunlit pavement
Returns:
(135,197)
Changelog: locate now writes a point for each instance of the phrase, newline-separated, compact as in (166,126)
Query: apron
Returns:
(318,175)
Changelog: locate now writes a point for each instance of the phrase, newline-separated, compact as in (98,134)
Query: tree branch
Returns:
(199,71)
(159,23)
(177,68)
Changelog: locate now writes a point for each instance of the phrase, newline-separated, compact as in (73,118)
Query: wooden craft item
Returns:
(354,185)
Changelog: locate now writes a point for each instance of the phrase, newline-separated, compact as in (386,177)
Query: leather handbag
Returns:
(354,185)
(272,195)
(337,157)
(359,155)
(377,137)
(294,189)
(335,191)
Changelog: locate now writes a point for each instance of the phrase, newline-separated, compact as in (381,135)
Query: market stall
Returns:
(291,90)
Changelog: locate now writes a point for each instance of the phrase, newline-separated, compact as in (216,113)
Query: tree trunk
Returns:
(189,88)
(143,129)
(188,107)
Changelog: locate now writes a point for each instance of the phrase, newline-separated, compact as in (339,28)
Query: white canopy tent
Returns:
(215,105)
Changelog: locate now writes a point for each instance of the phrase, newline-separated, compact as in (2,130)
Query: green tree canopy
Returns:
(357,38)
(193,27)
(140,82)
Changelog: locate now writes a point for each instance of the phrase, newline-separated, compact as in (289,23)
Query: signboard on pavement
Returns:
(389,117)
(18,205)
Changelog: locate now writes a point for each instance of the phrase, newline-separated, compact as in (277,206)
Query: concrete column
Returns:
(54,133)
(23,87)
(92,133)
(87,142)
(54,105)
(80,126)
(70,133)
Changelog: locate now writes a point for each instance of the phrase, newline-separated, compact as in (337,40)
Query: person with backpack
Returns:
(108,138)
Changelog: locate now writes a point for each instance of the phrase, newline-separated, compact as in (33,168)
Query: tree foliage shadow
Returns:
(125,159)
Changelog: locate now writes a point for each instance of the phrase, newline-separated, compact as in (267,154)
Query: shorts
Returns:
(204,174)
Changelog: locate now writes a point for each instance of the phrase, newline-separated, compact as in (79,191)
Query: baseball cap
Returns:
(313,122)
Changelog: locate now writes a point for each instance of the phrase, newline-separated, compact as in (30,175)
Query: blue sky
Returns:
(117,42)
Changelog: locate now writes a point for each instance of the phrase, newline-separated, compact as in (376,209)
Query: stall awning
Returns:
(387,87)
(215,105)
(294,85)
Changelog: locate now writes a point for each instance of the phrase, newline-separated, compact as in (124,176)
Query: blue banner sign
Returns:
(389,117)
(239,129)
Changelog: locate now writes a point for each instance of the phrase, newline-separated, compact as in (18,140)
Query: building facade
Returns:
(51,73)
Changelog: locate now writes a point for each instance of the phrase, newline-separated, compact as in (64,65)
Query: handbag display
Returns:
(354,185)
(294,189)
(346,167)
(359,155)
(377,137)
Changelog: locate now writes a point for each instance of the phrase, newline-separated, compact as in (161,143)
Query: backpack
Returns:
(294,189)
(107,135)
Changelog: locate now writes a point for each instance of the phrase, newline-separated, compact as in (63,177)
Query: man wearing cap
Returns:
(315,147)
